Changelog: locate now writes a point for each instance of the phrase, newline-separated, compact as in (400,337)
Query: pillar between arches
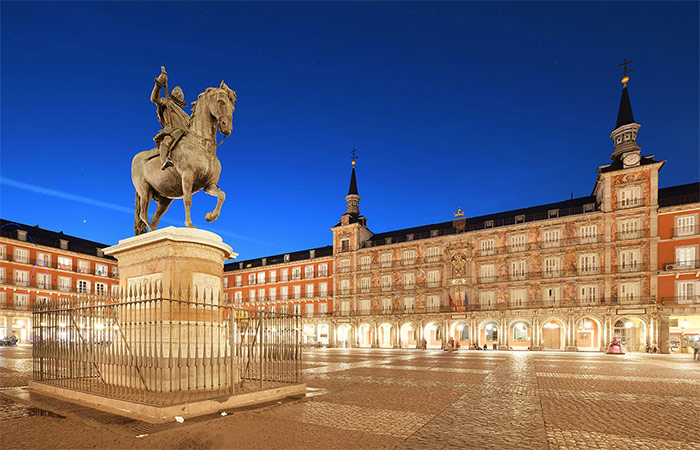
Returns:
(570,336)
(535,344)
(503,335)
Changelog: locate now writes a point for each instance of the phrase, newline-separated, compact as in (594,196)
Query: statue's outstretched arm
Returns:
(155,95)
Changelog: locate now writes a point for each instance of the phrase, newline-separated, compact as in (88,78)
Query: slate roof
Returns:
(48,238)
(679,195)
(300,255)
(624,114)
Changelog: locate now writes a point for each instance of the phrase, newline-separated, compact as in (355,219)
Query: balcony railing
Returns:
(41,263)
(534,275)
(632,234)
(630,203)
(543,245)
(45,285)
(630,267)
(688,230)
(400,263)
(682,265)
(682,300)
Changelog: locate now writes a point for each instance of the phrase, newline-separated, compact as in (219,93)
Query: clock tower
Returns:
(624,135)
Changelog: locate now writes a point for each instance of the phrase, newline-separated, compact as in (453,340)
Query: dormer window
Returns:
(488,224)
(21,235)
(63,244)
(520,219)
(553,213)
(588,207)
(434,233)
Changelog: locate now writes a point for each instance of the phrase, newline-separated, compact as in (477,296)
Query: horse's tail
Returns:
(139,226)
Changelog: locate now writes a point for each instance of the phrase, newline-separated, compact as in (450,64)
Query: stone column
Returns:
(663,334)
(503,334)
(571,335)
(397,335)
(332,338)
(375,335)
(535,336)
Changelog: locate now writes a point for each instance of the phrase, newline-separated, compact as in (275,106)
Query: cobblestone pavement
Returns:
(406,399)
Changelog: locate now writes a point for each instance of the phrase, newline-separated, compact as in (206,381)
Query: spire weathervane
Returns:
(625,70)
(354,155)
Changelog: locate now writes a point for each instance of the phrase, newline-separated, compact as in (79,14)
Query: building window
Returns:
(686,225)
(629,229)
(408,257)
(588,264)
(630,197)
(297,309)
(238,281)
(588,294)
(2,275)
(261,295)
(433,254)
(64,284)
(273,293)
(488,224)
(284,309)
(345,245)
(344,308)
(3,252)
(588,207)
(83,287)
(284,275)
(261,277)
(385,282)
(434,233)
(409,304)
(364,284)
(308,271)
(3,299)
(365,262)
(114,290)
(487,247)
(553,213)
(323,289)
(284,292)
(43,259)
(100,289)
(100,270)
(345,287)
(687,291)
(550,296)
(297,291)
(251,279)
(251,295)
(520,218)
(409,280)
(238,297)
(628,293)
(518,297)
(323,270)
(518,270)
(21,255)
(386,305)
(225,282)
(115,272)
(629,260)
(322,309)
(344,266)
(551,238)
(309,290)
(487,299)
(273,276)
(552,267)
(21,301)
(43,280)
(21,277)
(365,307)
(433,277)
(433,303)
(83,266)
(487,273)
(296,273)
(686,257)
(385,259)
(309,309)
(588,234)
(518,243)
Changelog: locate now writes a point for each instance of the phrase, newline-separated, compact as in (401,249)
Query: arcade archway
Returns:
(587,335)
(553,334)
(433,335)
(344,335)
(385,335)
(488,334)
(364,335)
(459,331)
(631,332)
(409,335)
(519,335)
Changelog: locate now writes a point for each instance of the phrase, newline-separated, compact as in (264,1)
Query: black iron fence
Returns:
(162,349)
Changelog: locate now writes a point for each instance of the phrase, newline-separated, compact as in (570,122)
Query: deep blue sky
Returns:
(487,106)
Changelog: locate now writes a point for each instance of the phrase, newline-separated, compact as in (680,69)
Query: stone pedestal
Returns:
(166,325)
(185,257)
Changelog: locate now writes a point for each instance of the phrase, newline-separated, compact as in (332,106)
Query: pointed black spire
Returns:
(353,183)
(624,114)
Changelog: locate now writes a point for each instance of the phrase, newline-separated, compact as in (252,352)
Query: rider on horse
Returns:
(171,116)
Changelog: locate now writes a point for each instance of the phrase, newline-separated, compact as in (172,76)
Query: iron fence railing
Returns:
(686,230)
(163,349)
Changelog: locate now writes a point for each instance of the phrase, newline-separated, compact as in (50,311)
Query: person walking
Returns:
(696,349)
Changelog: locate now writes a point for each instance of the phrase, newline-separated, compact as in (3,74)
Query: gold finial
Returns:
(353,162)
(459,212)
(625,70)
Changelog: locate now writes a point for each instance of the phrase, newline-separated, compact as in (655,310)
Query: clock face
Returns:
(631,160)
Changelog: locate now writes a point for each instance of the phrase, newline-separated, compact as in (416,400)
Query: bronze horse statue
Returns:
(195,165)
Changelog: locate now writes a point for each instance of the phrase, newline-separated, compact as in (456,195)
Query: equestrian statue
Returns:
(184,160)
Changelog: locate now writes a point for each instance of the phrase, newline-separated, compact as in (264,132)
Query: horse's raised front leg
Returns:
(163,204)
(143,213)
(187,181)
(215,191)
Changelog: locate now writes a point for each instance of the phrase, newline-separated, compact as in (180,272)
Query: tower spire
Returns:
(624,136)
(352,213)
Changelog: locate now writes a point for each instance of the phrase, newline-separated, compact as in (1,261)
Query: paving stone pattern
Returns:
(405,399)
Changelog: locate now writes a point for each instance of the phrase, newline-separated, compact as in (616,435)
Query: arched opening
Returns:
(344,333)
(409,339)
(385,335)
(488,335)
(587,335)
(631,333)
(553,337)
(20,327)
(433,335)
(365,335)
(459,331)
(520,335)
(309,334)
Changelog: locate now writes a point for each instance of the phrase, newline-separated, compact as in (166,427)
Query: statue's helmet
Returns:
(177,93)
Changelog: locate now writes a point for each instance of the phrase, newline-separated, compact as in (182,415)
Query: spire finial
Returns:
(354,156)
(625,70)
(459,212)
